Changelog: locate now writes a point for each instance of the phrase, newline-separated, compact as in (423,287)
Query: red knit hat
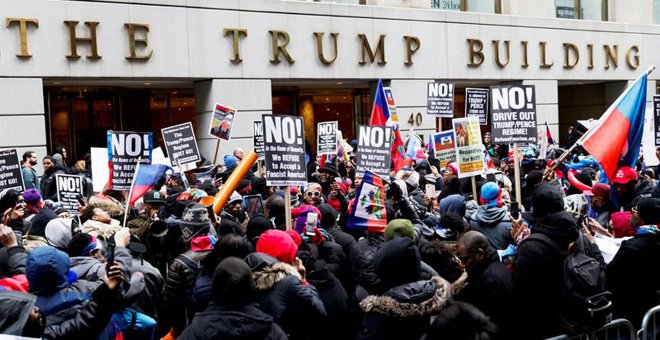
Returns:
(277,244)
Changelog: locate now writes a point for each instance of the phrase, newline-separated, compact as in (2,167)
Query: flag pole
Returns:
(130,191)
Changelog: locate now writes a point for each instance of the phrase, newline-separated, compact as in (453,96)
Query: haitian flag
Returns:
(146,176)
(380,115)
(368,208)
(618,133)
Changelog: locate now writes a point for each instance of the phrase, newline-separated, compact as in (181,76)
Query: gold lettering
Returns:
(280,49)
(568,47)
(590,48)
(22,34)
(476,56)
(611,54)
(412,45)
(319,47)
(74,40)
(633,51)
(133,41)
(544,63)
(496,50)
(524,54)
(368,52)
(236,38)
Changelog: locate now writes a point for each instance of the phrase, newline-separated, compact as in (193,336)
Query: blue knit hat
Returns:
(489,191)
(230,161)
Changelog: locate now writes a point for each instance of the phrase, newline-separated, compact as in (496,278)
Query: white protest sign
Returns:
(69,188)
(284,148)
(326,142)
(373,151)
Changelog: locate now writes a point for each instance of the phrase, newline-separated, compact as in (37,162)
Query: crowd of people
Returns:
(447,265)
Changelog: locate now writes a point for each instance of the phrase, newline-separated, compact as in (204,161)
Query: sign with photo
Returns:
(391,106)
(326,142)
(476,104)
(181,144)
(513,114)
(222,121)
(440,99)
(373,151)
(124,150)
(258,138)
(284,148)
(469,150)
(444,147)
(11,176)
(69,189)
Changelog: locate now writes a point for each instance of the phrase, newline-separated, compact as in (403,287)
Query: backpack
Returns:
(585,304)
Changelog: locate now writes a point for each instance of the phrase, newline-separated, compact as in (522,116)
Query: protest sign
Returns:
(222,121)
(181,144)
(444,147)
(69,188)
(469,152)
(656,120)
(513,114)
(258,138)
(373,151)
(476,104)
(389,98)
(440,99)
(284,148)
(99,168)
(11,176)
(326,142)
(124,150)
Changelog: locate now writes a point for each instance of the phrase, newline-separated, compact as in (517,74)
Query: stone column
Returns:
(547,107)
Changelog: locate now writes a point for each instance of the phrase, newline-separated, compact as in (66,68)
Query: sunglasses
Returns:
(313,194)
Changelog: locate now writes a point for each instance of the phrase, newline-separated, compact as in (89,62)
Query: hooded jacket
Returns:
(335,299)
(12,261)
(494,222)
(48,186)
(642,190)
(91,269)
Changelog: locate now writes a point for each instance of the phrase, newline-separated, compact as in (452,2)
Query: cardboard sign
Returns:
(444,147)
(513,114)
(440,99)
(326,142)
(124,150)
(476,104)
(284,148)
(469,153)
(258,138)
(181,144)
(69,187)
(373,151)
(222,121)
(656,120)
(11,176)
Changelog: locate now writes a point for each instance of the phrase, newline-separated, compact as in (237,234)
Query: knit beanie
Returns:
(300,214)
(453,203)
(329,216)
(277,244)
(546,200)
(398,262)
(58,232)
(256,226)
(399,228)
(32,196)
(649,210)
(491,194)
(232,283)
(230,162)
(194,221)
(621,224)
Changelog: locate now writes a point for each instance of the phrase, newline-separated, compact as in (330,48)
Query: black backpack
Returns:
(585,305)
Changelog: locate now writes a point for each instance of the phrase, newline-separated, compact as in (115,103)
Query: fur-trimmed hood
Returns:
(416,299)
(269,276)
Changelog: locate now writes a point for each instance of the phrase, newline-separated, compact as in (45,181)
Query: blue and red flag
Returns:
(618,133)
(146,176)
(380,115)
(368,209)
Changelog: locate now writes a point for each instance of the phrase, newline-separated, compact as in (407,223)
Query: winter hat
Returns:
(195,220)
(32,196)
(330,168)
(39,222)
(297,239)
(277,244)
(256,226)
(235,197)
(546,200)
(453,166)
(58,232)
(399,228)
(232,282)
(453,203)
(47,270)
(398,262)
(82,245)
(491,194)
(300,214)
(621,224)
(230,162)
(648,210)
(329,216)
(313,187)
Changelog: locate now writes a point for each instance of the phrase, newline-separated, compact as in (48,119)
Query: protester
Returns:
(492,219)
(30,178)
(48,183)
(630,188)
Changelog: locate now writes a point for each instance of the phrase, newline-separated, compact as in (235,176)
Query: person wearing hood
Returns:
(48,184)
(630,188)
(404,307)
(632,275)
(232,313)
(232,216)
(537,278)
(492,218)
(58,233)
(22,317)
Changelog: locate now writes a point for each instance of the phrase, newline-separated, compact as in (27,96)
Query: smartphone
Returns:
(515,210)
(312,219)
(253,205)
(430,190)
(110,256)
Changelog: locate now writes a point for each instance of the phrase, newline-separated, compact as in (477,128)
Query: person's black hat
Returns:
(232,282)
(330,168)
(153,197)
(546,200)
(648,210)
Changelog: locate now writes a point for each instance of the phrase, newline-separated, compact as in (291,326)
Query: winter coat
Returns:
(48,183)
(91,269)
(282,294)
(229,224)
(12,261)
(642,190)
(538,274)
(352,252)
(335,299)
(30,178)
(201,293)
(633,277)
(365,272)
(219,322)
(494,222)
(149,301)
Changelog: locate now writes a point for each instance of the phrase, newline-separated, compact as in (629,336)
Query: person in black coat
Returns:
(490,285)
(48,185)
(346,241)
(633,276)
(233,314)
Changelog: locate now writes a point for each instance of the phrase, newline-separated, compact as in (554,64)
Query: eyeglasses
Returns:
(313,193)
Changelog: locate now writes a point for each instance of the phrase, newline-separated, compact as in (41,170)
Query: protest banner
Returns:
(284,148)
(440,99)
(258,138)
(476,104)
(373,151)
(656,120)
(222,121)
(444,147)
(124,150)
(368,210)
(181,144)
(326,142)
(11,176)
(69,188)
(513,114)
(469,154)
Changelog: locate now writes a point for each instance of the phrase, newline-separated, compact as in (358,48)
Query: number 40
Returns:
(415,119)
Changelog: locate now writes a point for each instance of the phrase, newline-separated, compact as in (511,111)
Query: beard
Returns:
(33,163)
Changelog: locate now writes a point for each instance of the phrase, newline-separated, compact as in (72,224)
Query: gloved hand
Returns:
(394,192)
(318,238)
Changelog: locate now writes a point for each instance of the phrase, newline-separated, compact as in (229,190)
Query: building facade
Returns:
(70,70)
